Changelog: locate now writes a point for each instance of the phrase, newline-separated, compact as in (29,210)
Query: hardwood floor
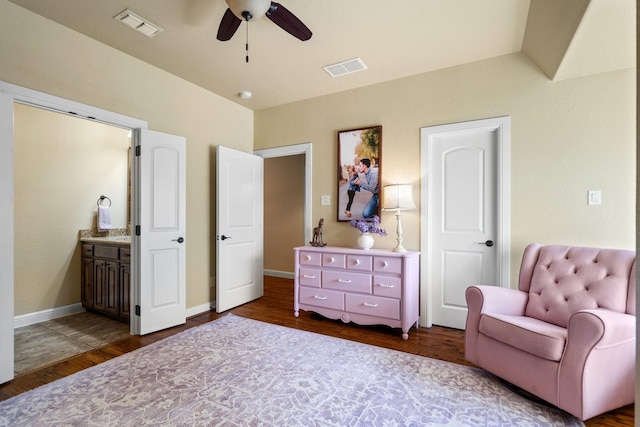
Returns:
(277,307)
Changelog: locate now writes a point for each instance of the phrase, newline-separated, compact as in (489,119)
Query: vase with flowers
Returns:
(367,230)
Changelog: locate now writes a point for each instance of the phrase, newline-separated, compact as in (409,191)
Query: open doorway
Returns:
(9,95)
(287,200)
(62,165)
(283,212)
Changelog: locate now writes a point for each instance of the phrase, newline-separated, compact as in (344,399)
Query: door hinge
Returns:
(137,230)
(137,310)
(138,150)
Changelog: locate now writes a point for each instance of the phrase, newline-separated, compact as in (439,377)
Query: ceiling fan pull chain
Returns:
(247,44)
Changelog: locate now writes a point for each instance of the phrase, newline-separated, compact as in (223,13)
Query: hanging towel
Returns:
(104,218)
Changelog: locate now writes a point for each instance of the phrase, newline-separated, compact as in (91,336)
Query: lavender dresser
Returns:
(367,287)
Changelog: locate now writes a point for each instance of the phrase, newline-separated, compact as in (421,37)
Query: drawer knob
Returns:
(308,258)
(319,297)
(306,276)
(368,304)
(357,261)
(332,260)
(385,264)
(384,285)
(344,281)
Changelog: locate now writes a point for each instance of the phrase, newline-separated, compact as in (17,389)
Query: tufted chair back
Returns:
(561,280)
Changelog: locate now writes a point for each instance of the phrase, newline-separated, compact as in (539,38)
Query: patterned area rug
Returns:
(241,372)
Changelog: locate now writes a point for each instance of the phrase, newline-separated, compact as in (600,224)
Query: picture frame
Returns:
(359,173)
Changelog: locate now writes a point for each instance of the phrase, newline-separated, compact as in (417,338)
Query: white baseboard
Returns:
(199,309)
(44,315)
(276,273)
(54,313)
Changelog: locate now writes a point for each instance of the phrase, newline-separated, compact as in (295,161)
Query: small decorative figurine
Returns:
(317,234)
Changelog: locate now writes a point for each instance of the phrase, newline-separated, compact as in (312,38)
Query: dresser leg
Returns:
(296,313)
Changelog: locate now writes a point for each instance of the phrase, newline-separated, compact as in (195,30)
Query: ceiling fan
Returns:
(247,10)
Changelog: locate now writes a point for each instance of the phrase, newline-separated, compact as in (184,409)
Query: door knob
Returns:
(179,240)
(488,243)
(223,237)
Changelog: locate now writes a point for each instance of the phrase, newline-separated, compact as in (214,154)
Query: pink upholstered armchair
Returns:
(567,334)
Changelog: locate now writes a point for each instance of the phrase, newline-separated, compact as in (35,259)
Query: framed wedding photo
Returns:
(359,173)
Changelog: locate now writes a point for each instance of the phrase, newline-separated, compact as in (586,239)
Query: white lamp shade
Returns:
(257,8)
(398,197)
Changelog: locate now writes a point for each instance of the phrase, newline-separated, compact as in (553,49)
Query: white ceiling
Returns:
(395,39)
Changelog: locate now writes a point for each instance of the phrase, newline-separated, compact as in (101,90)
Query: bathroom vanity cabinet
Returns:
(106,280)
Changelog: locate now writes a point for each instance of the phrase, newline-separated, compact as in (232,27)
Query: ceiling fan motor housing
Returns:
(255,8)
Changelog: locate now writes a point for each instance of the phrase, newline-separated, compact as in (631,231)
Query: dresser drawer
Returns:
(125,254)
(387,265)
(345,281)
(309,277)
(334,260)
(387,286)
(373,306)
(87,250)
(105,252)
(310,258)
(359,262)
(322,298)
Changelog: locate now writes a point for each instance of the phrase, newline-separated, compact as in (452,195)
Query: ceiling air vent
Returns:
(138,23)
(346,67)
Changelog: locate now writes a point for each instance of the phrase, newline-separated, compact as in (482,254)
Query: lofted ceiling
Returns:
(394,38)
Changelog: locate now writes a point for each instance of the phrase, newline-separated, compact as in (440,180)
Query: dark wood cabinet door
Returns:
(112,288)
(99,287)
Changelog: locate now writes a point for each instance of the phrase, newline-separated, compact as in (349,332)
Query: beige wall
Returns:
(283,211)
(39,54)
(62,166)
(567,137)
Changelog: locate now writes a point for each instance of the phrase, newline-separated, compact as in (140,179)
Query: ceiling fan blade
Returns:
(228,26)
(286,20)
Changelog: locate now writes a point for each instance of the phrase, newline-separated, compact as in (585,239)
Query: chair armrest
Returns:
(599,360)
(489,299)
(493,299)
(598,328)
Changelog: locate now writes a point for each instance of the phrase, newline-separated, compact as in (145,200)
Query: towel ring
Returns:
(101,199)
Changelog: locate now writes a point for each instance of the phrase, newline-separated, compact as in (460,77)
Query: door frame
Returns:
(57,104)
(292,150)
(503,195)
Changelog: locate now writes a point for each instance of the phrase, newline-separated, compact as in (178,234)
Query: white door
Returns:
(239,228)
(159,246)
(465,231)
(6,237)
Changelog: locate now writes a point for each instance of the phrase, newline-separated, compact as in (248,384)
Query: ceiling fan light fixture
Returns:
(246,10)
(255,8)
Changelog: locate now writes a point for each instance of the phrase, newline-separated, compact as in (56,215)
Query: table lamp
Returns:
(398,197)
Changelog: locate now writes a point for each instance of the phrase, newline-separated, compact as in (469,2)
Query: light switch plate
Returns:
(325,200)
(595,198)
